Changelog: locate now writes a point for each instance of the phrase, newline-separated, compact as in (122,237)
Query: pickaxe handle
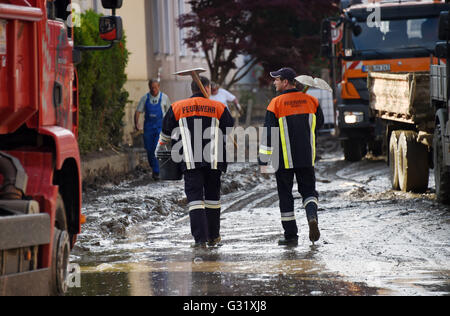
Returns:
(196,78)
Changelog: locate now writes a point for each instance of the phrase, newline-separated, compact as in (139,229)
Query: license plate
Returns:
(381,68)
(2,37)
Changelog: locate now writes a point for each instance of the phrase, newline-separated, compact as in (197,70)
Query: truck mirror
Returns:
(443,26)
(112,4)
(325,48)
(111,28)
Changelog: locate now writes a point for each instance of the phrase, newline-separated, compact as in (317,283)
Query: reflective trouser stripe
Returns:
(311,200)
(286,144)
(312,123)
(213,205)
(196,205)
(187,144)
(288,217)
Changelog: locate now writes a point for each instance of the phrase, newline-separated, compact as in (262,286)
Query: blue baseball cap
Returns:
(286,73)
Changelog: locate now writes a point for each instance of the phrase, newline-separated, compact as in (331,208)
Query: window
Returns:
(167,29)
(182,32)
(156,28)
(398,34)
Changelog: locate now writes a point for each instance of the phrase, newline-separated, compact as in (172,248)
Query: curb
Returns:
(111,164)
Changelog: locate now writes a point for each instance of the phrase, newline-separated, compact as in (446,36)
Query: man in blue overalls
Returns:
(154,105)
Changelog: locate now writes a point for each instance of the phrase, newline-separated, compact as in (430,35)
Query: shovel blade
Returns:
(314,83)
(322,84)
(306,80)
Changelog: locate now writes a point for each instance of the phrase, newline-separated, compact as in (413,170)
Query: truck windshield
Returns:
(397,35)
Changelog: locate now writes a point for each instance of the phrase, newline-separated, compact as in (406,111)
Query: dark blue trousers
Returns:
(306,179)
(202,187)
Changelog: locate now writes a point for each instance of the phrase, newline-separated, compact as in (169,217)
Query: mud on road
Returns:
(375,241)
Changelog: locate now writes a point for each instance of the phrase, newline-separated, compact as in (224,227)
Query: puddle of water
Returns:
(181,283)
(374,241)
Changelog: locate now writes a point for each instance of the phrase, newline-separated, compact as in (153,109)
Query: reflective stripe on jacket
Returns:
(297,116)
(199,121)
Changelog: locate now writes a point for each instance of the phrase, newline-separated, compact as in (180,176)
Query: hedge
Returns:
(102,96)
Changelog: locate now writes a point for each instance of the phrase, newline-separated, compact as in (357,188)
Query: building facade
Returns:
(156,50)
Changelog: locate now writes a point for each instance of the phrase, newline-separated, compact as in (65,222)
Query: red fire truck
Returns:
(40,175)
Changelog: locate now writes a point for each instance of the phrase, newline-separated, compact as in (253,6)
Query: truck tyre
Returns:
(60,251)
(412,163)
(393,159)
(441,172)
(376,148)
(354,150)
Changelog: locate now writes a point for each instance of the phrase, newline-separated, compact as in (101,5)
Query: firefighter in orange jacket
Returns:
(296,116)
(202,124)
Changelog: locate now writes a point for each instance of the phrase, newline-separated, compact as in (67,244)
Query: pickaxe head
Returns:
(190,72)
(194,73)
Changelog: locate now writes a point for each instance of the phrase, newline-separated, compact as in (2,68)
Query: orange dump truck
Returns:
(374,36)
(413,108)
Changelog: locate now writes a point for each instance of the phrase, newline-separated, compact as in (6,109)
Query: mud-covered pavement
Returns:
(374,241)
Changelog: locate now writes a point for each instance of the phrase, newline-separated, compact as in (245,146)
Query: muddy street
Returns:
(375,241)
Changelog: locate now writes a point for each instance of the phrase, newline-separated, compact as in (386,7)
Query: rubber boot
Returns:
(313,221)
(213,217)
(290,242)
(199,227)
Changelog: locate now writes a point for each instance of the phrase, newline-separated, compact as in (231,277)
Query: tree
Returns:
(102,96)
(273,33)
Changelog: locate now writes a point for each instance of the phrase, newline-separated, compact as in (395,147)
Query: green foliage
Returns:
(101,77)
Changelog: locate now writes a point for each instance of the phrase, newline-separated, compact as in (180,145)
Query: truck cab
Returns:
(377,37)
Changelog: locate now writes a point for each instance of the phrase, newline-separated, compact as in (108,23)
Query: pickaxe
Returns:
(194,73)
(309,82)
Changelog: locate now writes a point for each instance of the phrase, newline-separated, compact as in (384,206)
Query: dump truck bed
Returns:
(18,65)
(402,97)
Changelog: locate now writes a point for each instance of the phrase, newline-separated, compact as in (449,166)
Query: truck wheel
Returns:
(60,251)
(412,163)
(441,172)
(354,150)
(376,148)
(393,159)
